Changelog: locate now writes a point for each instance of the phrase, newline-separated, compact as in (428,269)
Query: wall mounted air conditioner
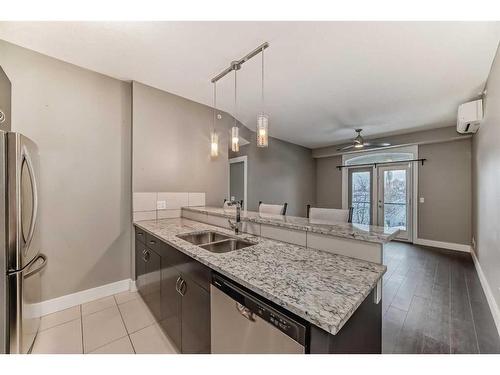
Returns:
(469,116)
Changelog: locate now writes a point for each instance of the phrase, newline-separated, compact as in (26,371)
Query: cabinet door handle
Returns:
(177,284)
(182,290)
(140,233)
(146,256)
(152,242)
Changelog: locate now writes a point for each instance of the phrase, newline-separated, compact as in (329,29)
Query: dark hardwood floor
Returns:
(433,302)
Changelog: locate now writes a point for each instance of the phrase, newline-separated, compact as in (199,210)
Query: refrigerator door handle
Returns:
(31,170)
(39,267)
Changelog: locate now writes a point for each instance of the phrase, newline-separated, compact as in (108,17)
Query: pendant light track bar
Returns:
(235,65)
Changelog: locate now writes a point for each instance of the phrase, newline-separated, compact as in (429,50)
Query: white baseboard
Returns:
(495,310)
(133,286)
(74,299)
(443,245)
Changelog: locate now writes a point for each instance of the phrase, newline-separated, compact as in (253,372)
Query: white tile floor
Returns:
(119,324)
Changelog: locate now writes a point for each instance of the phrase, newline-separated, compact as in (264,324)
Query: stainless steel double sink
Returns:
(215,242)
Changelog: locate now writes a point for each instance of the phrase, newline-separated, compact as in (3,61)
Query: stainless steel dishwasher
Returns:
(242,323)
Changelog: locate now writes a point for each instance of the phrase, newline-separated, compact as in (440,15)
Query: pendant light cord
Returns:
(262,88)
(215,103)
(235,87)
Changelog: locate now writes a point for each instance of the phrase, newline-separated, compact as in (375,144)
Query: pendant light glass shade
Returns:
(214,144)
(235,139)
(263,130)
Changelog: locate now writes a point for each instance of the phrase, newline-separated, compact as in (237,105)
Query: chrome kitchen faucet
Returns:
(237,224)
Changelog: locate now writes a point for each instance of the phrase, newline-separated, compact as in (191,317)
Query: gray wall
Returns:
(283,172)
(486,184)
(445,183)
(328,182)
(171,145)
(5,100)
(81,123)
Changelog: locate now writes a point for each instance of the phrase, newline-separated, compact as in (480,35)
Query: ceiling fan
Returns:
(359,143)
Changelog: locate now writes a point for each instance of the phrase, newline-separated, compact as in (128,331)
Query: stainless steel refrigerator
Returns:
(21,262)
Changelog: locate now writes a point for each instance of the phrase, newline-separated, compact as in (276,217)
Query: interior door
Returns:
(394,198)
(360,194)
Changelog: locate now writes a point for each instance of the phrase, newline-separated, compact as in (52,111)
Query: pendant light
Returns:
(235,139)
(214,137)
(262,119)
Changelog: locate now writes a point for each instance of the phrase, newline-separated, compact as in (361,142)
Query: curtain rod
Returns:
(339,167)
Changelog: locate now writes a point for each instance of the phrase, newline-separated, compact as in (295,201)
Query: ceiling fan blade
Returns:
(345,148)
(380,144)
(375,145)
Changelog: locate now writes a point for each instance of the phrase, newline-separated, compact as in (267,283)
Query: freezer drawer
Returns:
(24,305)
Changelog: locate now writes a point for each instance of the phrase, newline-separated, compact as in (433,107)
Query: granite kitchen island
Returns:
(335,295)
(360,241)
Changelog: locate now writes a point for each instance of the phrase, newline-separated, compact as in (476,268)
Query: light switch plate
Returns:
(421,200)
(161,205)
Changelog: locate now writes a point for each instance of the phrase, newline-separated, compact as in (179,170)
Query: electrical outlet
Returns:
(161,205)
(421,200)
(473,243)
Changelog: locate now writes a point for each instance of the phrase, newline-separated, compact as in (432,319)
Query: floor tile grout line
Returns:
(60,324)
(472,314)
(93,350)
(125,325)
(102,346)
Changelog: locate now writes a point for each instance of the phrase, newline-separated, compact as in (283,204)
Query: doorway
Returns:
(382,193)
(237,189)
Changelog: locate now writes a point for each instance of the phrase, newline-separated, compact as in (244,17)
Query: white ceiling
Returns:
(323,79)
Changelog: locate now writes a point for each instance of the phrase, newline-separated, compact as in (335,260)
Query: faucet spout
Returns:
(236,224)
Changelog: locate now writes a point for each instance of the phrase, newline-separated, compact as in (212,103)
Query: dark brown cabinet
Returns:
(176,289)
(152,294)
(195,325)
(140,266)
(148,277)
(170,301)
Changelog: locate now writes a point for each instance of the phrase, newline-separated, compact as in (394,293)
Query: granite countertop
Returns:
(323,288)
(362,232)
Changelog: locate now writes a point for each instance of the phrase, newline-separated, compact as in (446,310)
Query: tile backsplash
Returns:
(163,205)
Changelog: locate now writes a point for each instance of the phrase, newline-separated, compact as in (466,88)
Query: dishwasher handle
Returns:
(245,311)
